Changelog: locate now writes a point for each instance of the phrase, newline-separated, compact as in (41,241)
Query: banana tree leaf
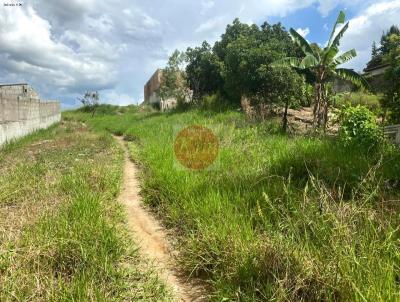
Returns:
(299,40)
(309,61)
(352,76)
(329,54)
(343,58)
(336,41)
(288,62)
(340,20)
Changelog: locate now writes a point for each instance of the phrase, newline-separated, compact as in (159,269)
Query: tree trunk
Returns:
(325,111)
(317,105)
(93,111)
(285,119)
(321,107)
(384,116)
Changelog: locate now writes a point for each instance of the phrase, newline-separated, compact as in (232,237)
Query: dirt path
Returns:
(150,235)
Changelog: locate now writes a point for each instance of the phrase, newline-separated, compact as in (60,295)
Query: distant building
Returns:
(376,70)
(152,93)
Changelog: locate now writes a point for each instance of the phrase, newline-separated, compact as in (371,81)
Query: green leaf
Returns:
(340,20)
(343,58)
(352,76)
(329,54)
(299,40)
(288,62)
(309,61)
(336,41)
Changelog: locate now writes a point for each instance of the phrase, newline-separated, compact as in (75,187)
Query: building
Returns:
(376,71)
(152,93)
(152,88)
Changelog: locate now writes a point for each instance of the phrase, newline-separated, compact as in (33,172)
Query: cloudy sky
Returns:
(64,47)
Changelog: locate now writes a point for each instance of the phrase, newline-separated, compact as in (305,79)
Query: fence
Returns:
(393,133)
(23,114)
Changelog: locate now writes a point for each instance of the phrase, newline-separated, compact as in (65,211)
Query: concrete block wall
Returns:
(22,112)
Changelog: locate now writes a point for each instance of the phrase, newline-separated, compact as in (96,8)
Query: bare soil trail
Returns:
(151,236)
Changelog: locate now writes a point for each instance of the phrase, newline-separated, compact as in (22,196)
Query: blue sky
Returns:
(63,48)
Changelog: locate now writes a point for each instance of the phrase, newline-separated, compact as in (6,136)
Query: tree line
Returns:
(266,65)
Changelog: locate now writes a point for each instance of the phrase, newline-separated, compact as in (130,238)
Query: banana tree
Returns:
(323,63)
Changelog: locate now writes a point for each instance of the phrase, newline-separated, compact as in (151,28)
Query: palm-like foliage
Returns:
(324,64)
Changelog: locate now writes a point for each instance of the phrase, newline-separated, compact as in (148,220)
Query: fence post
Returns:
(397,139)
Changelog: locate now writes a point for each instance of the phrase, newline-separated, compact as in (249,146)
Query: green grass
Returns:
(371,101)
(277,218)
(62,233)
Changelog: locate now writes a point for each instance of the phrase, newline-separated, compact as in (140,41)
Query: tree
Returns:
(374,52)
(203,71)
(90,101)
(288,88)
(385,40)
(323,63)
(391,100)
(378,53)
(232,33)
(247,53)
(174,83)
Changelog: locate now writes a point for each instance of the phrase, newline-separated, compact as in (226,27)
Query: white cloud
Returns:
(66,47)
(303,31)
(206,5)
(327,6)
(211,25)
(114,98)
(139,24)
(27,43)
(368,26)
(102,24)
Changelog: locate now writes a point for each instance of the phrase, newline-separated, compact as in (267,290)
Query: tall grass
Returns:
(76,248)
(277,218)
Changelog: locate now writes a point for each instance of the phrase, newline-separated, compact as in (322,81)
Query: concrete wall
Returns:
(22,112)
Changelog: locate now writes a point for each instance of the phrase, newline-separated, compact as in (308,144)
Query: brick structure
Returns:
(152,87)
(152,93)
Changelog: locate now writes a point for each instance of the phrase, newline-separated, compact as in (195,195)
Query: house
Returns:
(376,70)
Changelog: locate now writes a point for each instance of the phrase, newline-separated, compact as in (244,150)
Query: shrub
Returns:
(394,116)
(215,102)
(359,128)
(369,100)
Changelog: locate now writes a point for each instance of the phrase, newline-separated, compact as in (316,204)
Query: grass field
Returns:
(277,218)
(62,233)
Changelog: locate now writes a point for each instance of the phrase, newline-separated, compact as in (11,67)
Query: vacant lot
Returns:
(62,233)
(276,218)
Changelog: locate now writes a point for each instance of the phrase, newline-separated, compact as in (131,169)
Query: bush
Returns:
(369,100)
(359,128)
(215,102)
(394,115)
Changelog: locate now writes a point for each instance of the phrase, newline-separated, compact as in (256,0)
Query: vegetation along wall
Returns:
(22,112)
